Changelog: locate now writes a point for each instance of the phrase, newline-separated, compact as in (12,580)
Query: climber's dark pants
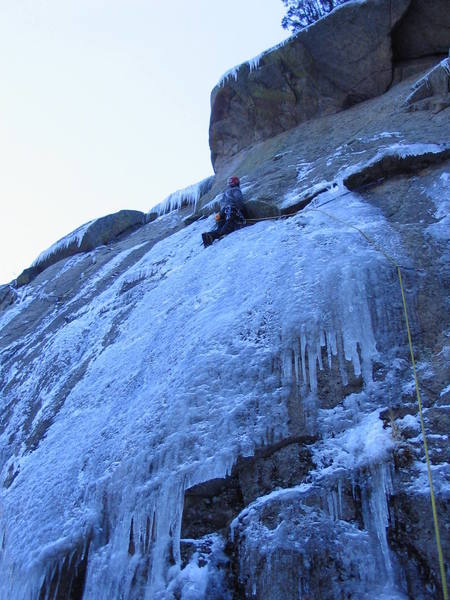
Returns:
(228,227)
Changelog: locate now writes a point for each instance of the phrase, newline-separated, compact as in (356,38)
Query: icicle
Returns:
(286,366)
(342,367)
(188,196)
(321,344)
(340,497)
(253,63)
(376,512)
(333,342)
(331,505)
(335,505)
(295,358)
(303,355)
(312,367)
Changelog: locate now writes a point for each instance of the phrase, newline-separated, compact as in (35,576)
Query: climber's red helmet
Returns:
(234,181)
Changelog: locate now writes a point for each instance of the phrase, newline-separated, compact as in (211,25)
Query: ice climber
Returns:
(231,215)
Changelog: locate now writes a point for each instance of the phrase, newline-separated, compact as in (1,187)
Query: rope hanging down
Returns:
(419,401)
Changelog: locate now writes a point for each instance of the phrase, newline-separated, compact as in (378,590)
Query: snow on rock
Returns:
(203,575)
(440,195)
(394,159)
(72,239)
(404,150)
(279,540)
(433,83)
(188,196)
(387,161)
(252,63)
(365,443)
(84,239)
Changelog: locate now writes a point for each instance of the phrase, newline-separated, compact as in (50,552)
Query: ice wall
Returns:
(184,363)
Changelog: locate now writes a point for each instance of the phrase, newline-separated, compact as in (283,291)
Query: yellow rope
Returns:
(370,240)
(425,445)
(419,401)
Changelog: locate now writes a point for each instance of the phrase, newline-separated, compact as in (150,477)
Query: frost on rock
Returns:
(202,577)
(188,196)
(73,239)
(404,150)
(188,360)
(440,195)
(394,159)
(252,64)
(298,539)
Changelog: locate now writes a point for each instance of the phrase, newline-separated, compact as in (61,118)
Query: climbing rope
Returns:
(416,380)
(425,446)
(275,218)
(419,401)
(292,214)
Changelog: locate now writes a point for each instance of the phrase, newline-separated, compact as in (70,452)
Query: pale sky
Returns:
(104,105)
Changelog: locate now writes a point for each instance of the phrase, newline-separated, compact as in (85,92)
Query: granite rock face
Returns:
(338,61)
(7,296)
(335,63)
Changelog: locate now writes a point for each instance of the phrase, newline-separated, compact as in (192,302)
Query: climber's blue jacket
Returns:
(230,217)
(232,206)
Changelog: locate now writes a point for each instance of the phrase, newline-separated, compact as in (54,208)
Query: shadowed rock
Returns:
(7,296)
(424,30)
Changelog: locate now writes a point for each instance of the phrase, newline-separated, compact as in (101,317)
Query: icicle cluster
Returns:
(188,196)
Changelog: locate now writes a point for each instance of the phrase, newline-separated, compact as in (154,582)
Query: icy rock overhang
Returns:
(342,59)
(188,196)
(211,506)
(396,160)
(432,90)
(85,238)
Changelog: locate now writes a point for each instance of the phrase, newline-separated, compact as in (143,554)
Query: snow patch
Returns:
(358,446)
(446,390)
(304,169)
(399,150)
(408,422)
